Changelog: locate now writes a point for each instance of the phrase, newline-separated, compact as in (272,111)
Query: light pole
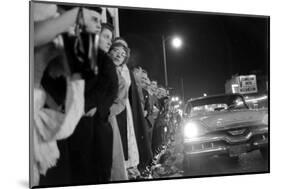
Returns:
(182,89)
(176,43)
(164,61)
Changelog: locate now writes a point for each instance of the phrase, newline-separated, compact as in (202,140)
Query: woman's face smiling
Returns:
(118,55)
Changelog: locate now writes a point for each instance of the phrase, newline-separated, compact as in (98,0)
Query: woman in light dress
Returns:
(120,54)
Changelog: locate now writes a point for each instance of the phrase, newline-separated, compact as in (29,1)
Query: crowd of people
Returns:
(95,119)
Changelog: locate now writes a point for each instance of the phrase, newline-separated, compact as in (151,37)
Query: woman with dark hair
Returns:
(91,143)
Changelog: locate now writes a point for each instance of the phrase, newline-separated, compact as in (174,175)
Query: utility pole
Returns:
(182,89)
(164,60)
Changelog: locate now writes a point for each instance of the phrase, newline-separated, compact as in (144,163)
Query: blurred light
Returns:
(177,98)
(191,130)
(256,99)
(239,103)
(204,94)
(180,112)
(265,119)
(234,88)
(261,98)
(177,42)
(180,102)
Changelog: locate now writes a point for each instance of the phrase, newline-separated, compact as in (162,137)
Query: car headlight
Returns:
(193,129)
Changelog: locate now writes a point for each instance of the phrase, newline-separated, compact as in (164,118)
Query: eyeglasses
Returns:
(119,52)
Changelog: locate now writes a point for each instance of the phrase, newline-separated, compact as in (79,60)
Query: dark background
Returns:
(215,47)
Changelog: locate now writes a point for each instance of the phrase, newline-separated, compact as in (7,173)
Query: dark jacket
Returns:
(101,90)
(140,125)
(91,142)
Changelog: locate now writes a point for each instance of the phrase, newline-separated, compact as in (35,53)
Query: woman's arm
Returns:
(45,31)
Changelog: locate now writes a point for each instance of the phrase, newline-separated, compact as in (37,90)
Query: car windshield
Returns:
(213,104)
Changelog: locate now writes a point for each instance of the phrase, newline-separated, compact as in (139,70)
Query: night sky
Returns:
(214,47)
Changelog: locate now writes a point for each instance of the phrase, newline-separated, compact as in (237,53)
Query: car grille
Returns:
(214,144)
(232,132)
(237,132)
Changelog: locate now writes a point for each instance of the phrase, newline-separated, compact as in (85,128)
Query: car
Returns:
(222,125)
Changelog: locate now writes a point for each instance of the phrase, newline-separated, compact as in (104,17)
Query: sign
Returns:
(248,84)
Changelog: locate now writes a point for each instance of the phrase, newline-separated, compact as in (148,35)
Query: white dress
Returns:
(133,153)
(118,170)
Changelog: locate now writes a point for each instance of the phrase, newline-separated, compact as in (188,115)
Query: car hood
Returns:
(234,118)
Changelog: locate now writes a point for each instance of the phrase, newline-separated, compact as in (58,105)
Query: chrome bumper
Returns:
(234,145)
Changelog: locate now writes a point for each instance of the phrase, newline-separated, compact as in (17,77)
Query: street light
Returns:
(176,42)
